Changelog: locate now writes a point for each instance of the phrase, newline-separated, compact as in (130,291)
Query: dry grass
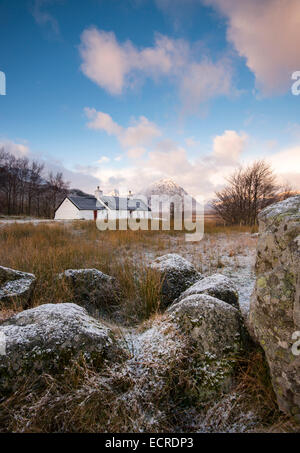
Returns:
(83,400)
(48,249)
(216,227)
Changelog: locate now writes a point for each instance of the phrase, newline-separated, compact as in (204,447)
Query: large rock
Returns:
(275,305)
(216,329)
(47,338)
(186,355)
(15,286)
(216,285)
(177,275)
(92,289)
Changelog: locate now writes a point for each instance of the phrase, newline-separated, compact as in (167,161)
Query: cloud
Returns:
(141,133)
(81,179)
(202,176)
(116,66)
(204,81)
(17,149)
(44,18)
(267,34)
(287,161)
(190,141)
(229,146)
(169,161)
(136,153)
(103,160)
(102,121)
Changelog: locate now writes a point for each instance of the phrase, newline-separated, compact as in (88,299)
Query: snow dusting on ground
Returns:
(230,254)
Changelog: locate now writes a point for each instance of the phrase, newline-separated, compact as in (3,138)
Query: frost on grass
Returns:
(228,416)
(46,338)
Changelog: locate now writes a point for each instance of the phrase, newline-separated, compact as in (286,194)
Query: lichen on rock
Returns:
(275,305)
(216,331)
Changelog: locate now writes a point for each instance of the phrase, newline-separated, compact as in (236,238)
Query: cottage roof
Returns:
(114,203)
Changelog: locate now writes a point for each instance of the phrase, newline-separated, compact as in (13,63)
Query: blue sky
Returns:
(124,92)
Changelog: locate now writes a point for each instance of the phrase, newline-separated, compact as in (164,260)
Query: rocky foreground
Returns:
(200,332)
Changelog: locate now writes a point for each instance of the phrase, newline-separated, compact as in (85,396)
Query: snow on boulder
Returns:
(92,289)
(177,275)
(216,285)
(47,338)
(216,329)
(195,343)
(15,286)
(216,326)
(275,304)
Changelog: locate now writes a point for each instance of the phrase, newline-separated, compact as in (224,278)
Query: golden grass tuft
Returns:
(48,249)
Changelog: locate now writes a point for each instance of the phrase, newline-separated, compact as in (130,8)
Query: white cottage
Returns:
(102,206)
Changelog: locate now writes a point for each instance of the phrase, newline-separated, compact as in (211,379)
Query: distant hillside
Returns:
(79,193)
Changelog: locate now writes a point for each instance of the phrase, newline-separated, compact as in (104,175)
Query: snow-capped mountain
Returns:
(165,186)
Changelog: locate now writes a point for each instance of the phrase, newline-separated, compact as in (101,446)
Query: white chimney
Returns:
(98,193)
(130,194)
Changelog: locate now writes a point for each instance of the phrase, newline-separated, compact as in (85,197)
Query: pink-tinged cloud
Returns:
(204,81)
(229,146)
(102,121)
(17,149)
(141,133)
(136,153)
(267,34)
(116,66)
(204,174)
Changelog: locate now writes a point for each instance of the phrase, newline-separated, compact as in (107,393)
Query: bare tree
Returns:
(34,183)
(248,191)
(287,191)
(56,190)
(24,190)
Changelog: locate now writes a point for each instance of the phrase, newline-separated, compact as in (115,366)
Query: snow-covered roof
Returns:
(115,203)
